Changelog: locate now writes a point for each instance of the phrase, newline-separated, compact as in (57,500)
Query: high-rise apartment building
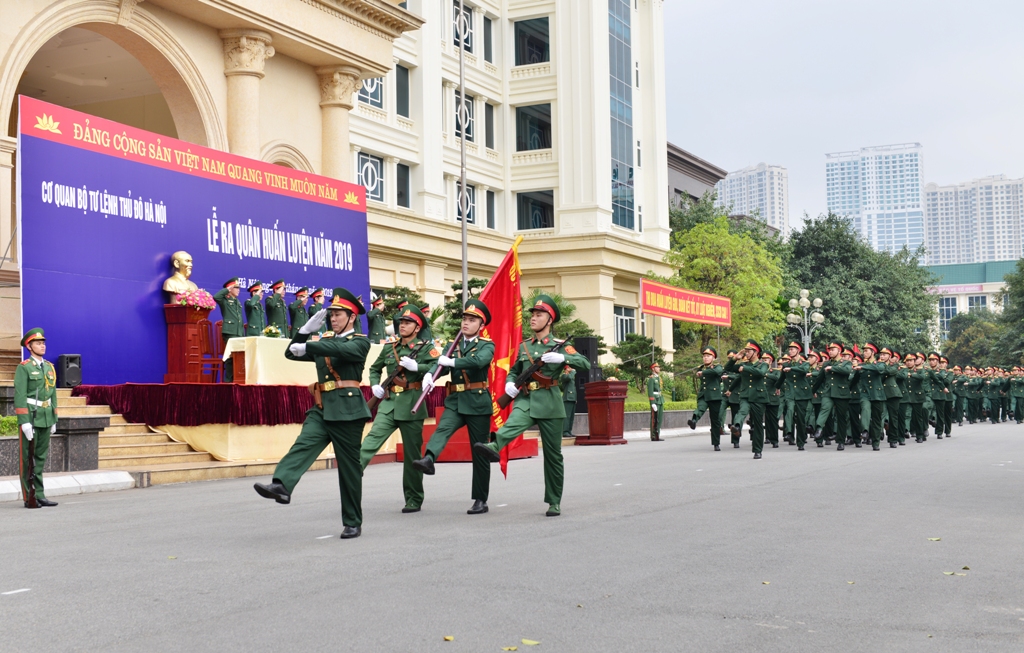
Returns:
(880,189)
(974,222)
(761,190)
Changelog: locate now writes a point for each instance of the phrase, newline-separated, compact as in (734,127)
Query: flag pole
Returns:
(462,27)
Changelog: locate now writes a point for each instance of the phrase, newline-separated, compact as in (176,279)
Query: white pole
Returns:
(462,27)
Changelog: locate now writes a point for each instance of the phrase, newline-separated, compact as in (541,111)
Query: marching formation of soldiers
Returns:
(852,396)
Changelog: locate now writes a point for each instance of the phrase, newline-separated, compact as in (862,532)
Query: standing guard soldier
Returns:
(375,320)
(297,310)
(339,413)
(277,310)
(753,390)
(797,377)
(709,396)
(874,373)
(35,406)
(540,401)
(657,402)
(255,315)
(411,356)
(468,402)
(567,383)
(232,325)
(772,406)
(318,304)
(834,389)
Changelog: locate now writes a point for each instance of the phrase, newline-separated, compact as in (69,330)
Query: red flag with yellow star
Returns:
(505,302)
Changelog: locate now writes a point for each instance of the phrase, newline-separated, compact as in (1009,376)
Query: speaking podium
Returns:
(184,347)
(606,406)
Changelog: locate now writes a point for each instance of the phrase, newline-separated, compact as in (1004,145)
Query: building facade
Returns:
(564,118)
(968,287)
(880,190)
(689,176)
(761,190)
(974,222)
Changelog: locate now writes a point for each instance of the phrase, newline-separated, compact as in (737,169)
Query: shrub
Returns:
(8,426)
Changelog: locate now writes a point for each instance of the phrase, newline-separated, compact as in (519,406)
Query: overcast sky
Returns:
(788,80)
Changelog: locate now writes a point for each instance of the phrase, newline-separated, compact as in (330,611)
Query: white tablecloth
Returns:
(265,363)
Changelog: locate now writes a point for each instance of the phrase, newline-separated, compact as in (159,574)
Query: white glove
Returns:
(298,348)
(53,429)
(444,361)
(511,389)
(378,391)
(27,430)
(409,364)
(389,330)
(428,383)
(314,323)
(654,407)
(553,357)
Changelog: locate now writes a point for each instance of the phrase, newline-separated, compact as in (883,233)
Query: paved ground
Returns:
(663,547)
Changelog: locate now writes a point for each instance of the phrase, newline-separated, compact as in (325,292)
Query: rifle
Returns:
(388,382)
(30,499)
(435,368)
(527,374)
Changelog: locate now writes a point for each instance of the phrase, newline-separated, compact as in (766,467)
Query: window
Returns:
(490,209)
(947,311)
(372,92)
(536,210)
(488,41)
(533,127)
(468,116)
(532,42)
(625,322)
(977,303)
(620,66)
(463,27)
(371,175)
(402,90)
(489,125)
(638,158)
(470,202)
(402,185)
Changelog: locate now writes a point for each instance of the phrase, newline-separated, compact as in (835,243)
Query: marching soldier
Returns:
(732,399)
(255,316)
(753,390)
(814,359)
(919,388)
(232,325)
(959,395)
(35,406)
(1017,394)
(539,402)
(797,377)
(277,310)
(938,393)
(873,388)
(858,434)
(771,408)
(375,320)
(709,396)
(834,388)
(468,402)
(893,382)
(567,383)
(297,309)
(411,356)
(948,398)
(340,411)
(657,402)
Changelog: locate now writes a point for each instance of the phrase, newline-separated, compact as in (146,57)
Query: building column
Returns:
(338,84)
(355,163)
(8,214)
(245,53)
(481,206)
(449,106)
(391,182)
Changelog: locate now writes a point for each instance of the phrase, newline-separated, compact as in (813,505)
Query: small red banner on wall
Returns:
(686,305)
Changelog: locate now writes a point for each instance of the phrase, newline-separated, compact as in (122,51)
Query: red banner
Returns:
(505,302)
(686,305)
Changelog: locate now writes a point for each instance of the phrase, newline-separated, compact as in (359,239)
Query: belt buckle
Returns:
(533,386)
(397,389)
(460,387)
(328,387)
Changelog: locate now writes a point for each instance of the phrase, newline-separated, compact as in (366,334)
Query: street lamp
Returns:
(810,320)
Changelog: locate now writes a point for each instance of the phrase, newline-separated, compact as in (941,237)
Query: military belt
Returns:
(397,389)
(462,387)
(38,404)
(539,385)
(334,385)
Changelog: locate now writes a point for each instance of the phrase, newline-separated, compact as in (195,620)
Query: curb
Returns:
(68,484)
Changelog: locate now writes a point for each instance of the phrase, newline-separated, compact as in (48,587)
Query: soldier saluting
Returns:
(35,406)
(255,315)
(297,310)
(277,310)
(709,396)
(232,325)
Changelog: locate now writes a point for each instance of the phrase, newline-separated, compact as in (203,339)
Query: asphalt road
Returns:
(661,547)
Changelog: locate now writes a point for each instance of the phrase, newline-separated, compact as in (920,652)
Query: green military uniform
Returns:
(1017,396)
(834,389)
(657,404)
(567,383)
(772,407)
(232,325)
(948,398)
(395,409)
(338,419)
(709,398)
(297,310)
(752,385)
(35,404)
(873,388)
(730,377)
(975,387)
(939,390)
(277,310)
(375,320)
(893,383)
(316,307)
(797,381)
(815,403)
(918,388)
(855,407)
(540,403)
(255,315)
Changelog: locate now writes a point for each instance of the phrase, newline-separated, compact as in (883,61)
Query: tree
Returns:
(1009,345)
(451,315)
(635,352)
(394,295)
(971,336)
(567,325)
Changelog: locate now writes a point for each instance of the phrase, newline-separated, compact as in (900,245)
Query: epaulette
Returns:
(327,334)
(485,338)
(26,361)
(391,340)
(360,335)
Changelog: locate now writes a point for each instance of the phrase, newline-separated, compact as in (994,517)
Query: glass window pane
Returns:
(620,67)
(402,90)
(372,92)
(533,127)
(469,201)
(371,175)
(489,126)
(535,210)
(402,185)
(488,41)
(463,29)
(468,116)
(532,41)
(490,209)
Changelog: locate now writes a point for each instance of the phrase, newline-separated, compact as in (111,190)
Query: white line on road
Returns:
(24,589)
(324,537)
(700,470)
(617,485)
(502,505)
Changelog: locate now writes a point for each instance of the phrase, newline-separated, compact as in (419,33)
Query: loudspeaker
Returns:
(69,370)
(588,348)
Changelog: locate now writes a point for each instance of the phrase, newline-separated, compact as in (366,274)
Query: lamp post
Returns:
(810,321)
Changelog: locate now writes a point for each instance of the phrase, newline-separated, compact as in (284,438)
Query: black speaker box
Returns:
(588,348)
(69,370)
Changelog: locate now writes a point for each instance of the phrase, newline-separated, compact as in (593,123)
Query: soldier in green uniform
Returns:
(318,304)
(232,324)
(1017,395)
(412,356)
(468,402)
(834,388)
(975,389)
(772,406)
(788,408)
(918,388)
(893,383)
(657,402)
(297,310)
(255,315)
(277,310)
(730,378)
(949,397)
(856,436)
(957,387)
(709,396)
(340,411)
(567,383)
(375,320)
(873,373)
(539,402)
(797,378)
(35,406)
(938,394)
(814,359)
(752,385)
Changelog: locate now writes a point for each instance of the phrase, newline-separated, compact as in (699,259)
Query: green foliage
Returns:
(610,371)
(8,426)
(636,353)
(451,316)
(394,295)
(971,337)
(644,406)
(565,326)
(1009,345)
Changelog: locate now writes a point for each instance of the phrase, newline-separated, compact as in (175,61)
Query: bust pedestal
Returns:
(606,405)
(184,353)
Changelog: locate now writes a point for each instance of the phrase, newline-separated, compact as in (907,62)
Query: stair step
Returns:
(135,438)
(78,411)
(65,402)
(146,475)
(117,420)
(126,429)
(63,392)
(108,451)
(156,459)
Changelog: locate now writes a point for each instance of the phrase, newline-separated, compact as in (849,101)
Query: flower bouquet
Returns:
(197,298)
(271,332)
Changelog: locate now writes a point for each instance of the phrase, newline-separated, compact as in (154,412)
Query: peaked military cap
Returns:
(838,345)
(813,354)
(33,335)
(301,290)
(231,283)
(753,345)
(794,343)
(277,284)
(933,354)
(872,346)
(343,300)
(477,308)
(547,305)
(412,314)
(768,354)
(402,303)
(710,350)
(319,292)
(256,285)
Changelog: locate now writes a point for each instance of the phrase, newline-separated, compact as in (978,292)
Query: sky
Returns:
(787,81)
